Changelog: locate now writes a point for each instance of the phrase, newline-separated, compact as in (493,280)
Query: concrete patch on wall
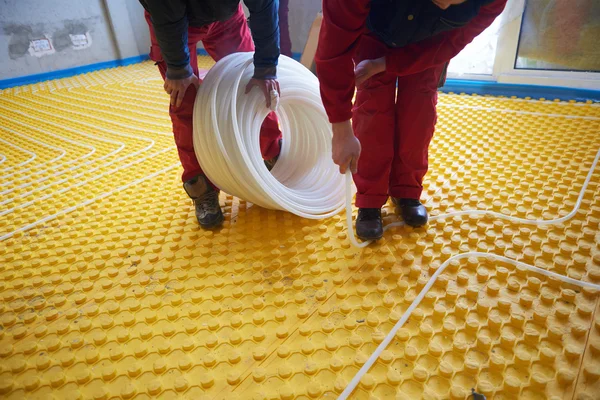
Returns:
(81,41)
(62,37)
(21,37)
(41,39)
(80,33)
(41,47)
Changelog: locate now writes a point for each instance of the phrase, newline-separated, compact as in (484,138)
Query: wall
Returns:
(114,29)
(301,16)
(139,25)
(24,20)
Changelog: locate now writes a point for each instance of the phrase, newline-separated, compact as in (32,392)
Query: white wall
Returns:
(301,16)
(138,25)
(115,28)
(24,20)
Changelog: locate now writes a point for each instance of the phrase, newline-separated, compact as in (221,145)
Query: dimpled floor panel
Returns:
(109,289)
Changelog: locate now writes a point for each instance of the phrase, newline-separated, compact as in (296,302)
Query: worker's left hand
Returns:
(368,68)
(266,86)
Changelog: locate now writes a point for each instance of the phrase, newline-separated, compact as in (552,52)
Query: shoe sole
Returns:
(215,224)
(415,225)
(367,239)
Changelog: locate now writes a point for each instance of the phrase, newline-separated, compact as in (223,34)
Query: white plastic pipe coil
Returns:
(226,139)
(304,181)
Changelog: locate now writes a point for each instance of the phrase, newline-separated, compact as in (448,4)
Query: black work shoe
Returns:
(413,212)
(369,225)
(271,163)
(206,202)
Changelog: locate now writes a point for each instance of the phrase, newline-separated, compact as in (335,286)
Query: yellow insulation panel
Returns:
(110,290)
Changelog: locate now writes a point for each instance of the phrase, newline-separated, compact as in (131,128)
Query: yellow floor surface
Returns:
(110,290)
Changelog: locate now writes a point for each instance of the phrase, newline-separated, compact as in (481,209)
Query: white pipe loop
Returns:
(227,124)
(389,337)
(226,139)
(488,213)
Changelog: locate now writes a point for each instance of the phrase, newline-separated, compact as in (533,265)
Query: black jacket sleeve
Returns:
(171,26)
(264,25)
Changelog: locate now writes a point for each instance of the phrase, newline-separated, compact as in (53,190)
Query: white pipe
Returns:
(246,147)
(76,132)
(549,102)
(54,166)
(37,181)
(108,121)
(520,112)
(67,210)
(30,159)
(365,368)
(494,214)
(390,336)
(160,120)
(226,140)
(126,98)
(62,153)
(80,183)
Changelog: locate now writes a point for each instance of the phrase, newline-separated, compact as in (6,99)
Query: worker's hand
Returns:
(176,88)
(346,147)
(368,68)
(266,86)
(444,4)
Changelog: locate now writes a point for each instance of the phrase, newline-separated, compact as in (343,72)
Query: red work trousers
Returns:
(394,129)
(219,39)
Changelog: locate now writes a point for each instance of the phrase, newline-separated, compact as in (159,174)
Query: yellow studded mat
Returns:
(109,290)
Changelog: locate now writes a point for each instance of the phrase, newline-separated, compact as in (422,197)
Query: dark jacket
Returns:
(171,19)
(401,22)
(344,23)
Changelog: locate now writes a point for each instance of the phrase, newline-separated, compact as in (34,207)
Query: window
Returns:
(561,35)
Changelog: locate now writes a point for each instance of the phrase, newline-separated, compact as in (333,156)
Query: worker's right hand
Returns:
(367,69)
(176,88)
(345,147)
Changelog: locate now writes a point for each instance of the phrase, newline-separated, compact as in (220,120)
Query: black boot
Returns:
(369,225)
(270,164)
(206,202)
(413,212)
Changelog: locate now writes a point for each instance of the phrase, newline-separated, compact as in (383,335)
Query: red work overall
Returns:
(219,39)
(394,129)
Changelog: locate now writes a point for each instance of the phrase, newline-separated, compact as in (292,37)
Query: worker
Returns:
(401,49)
(176,26)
